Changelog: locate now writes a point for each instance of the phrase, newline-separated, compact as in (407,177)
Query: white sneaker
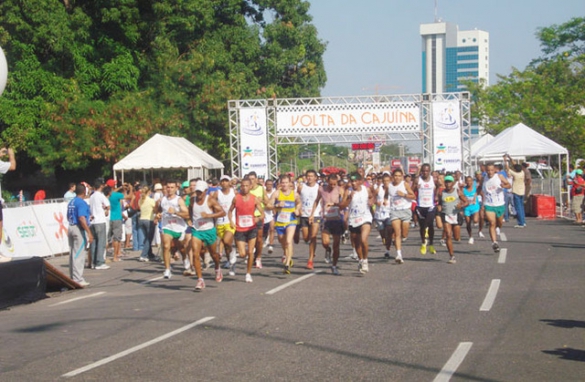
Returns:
(471,241)
(102,267)
(443,243)
(334,270)
(354,255)
(480,234)
(365,268)
(270,249)
(83,283)
(399,260)
(186,263)
(248,278)
(232,271)
(167,274)
(498,231)
(233,257)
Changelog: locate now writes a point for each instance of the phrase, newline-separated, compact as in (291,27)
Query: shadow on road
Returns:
(567,324)
(568,354)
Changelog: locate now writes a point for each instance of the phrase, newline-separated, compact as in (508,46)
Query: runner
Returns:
(269,218)
(245,206)
(382,214)
(478,181)
(308,193)
(400,196)
(203,209)
(329,197)
(225,196)
(425,209)
(494,202)
(287,206)
(258,191)
(471,210)
(451,201)
(360,219)
(173,212)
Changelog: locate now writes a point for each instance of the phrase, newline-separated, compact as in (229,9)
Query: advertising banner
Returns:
(22,236)
(253,141)
(52,218)
(370,118)
(448,152)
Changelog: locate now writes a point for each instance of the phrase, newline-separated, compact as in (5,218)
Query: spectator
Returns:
(4,168)
(99,207)
(518,189)
(577,192)
(146,223)
(527,180)
(78,233)
(70,194)
(116,200)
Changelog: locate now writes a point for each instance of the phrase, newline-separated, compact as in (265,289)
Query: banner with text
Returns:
(448,152)
(253,141)
(367,118)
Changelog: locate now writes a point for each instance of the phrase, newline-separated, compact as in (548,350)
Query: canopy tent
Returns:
(478,143)
(521,141)
(163,152)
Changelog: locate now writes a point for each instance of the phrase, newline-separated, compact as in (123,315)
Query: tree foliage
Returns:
(90,80)
(549,95)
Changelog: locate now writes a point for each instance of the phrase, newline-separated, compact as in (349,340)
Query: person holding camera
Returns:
(5,166)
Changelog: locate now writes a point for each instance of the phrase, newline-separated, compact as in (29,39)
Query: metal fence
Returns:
(31,202)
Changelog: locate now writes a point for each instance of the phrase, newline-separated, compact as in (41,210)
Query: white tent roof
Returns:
(520,140)
(480,142)
(165,152)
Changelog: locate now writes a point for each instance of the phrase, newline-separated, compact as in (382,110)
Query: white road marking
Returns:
(78,298)
(135,348)
(283,286)
(503,236)
(453,363)
(151,280)
(503,254)
(488,302)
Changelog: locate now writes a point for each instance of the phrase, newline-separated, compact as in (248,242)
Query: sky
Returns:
(374,46)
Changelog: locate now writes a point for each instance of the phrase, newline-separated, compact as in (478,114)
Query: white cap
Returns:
(158,186)
(201,186)
(225,177)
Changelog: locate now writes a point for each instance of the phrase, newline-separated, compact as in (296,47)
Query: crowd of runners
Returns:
(237,219)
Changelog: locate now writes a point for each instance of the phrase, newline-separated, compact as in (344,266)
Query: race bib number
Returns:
(332,213)
(246,221)
(283,217)
(356,222)
(451,219)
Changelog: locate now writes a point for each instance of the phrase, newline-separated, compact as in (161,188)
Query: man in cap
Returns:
(451,203)
(225,196)
(203,209)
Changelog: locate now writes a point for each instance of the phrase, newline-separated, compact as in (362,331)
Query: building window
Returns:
(464,40)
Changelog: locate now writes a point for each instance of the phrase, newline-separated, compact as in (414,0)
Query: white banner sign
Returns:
(448,152)
(52,218)
(368,118)
(253,141)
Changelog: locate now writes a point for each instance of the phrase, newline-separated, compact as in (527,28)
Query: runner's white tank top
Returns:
(172,222)
(382,209)
(398,202)
(201,223)
(308,196)
(225,201)
(359,212)
(493,192)
(269,214)
(426,192)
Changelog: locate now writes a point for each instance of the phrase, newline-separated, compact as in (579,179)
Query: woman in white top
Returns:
(400,196)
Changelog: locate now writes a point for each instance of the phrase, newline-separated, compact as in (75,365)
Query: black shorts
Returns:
(334,227)
(357,229)
(259,224)
(305,221)
(246,235)
(426,214)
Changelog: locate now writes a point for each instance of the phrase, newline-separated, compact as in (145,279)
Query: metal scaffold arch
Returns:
(441,122)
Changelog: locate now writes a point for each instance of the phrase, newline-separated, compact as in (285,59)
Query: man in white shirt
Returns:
(99,208)
(4,168)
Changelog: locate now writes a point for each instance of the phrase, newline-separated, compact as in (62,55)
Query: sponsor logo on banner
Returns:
(26,230)
(447,136)
(251,125)
(253,141)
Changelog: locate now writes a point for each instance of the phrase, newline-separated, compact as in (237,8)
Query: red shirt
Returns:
(245,213)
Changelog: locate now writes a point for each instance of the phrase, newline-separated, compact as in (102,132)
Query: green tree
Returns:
(549,95)
(90,80)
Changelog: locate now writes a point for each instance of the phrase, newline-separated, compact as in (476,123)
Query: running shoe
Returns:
(83,283)
(334,270)
(328,255)
(399,260)
(227,265)
(188,272)
(365,268)
(248,278)
(471,241)
(232,271)
(432,250)
(218,275)
(143,259)
(480,234)
(286,270)
(233,257)
(443,243)
(259,263)
(360,267)
(387,255)
(452,260)
(498,231)
(423,249)
(310,264)
(186,263)
(354,255)
(104,266)
(519,226)
(200,285)
(270,249)
(167,273)
(496,247)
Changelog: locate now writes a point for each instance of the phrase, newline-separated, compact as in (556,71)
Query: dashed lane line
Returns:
(503,254)
(488,302)
(78,298)
(292,282)
(454,362)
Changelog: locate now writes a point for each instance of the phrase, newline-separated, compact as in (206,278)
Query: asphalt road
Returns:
(424,320)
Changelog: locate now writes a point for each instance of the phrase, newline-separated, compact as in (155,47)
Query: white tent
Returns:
(162,152)
(521,141)
(478,143)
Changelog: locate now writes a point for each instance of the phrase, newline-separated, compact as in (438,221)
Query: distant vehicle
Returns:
(539,170)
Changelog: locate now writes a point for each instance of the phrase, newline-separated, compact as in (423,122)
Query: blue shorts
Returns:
(471,209)
(280,230)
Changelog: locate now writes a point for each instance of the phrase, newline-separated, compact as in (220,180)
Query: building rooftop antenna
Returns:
(436,11)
